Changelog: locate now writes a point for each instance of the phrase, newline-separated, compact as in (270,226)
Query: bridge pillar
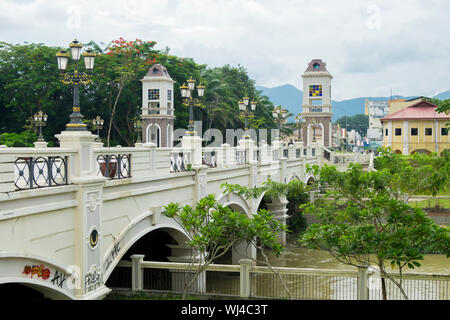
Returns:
(201,184)
(193,144)
(264,153)
(243,251)
(278,208)
(185,254)
(87,219)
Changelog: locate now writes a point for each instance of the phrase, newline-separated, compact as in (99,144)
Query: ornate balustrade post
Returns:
(230,154)
(222,156)
(245,278)
(88,231)
(249,146)
(265,153)
(193,144)
(137,279)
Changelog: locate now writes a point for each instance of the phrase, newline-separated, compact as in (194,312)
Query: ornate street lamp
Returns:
(314,126)
(280,115)
(187,93)
(245,112)
(298,123)
(40,120)
(138,129)
(75,78)
(97,124)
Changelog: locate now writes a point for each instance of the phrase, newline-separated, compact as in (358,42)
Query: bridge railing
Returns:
(209,157)
(31,168)
(180,160)
(123,162)
(246,280)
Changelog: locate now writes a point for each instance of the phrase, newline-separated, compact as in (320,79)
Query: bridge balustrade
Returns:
(275,156)
(179,161)
(241,157)
(30,168)
(114,166)
(209,157)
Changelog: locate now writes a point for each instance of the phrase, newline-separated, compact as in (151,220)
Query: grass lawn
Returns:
(431,203)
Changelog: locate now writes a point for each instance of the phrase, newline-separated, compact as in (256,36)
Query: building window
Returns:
(169,95)
(153,94)
(444,131)
(304,152)
(428,131)
(398,131)
(386,132)
(313,152)
(414,131)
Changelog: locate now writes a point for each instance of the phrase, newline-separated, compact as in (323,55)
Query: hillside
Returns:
(291,98)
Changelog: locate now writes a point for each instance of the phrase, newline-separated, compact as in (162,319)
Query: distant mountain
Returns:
(286,95)
(443,95)
(291,99)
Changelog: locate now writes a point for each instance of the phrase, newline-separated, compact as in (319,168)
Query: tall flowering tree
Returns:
(126,61)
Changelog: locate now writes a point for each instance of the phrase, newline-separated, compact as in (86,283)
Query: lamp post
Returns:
(40,120)
(187,93)
(314,125)
(97,124)
(76,78)
(299,123)
(279,114)
(138,128)
(245,112)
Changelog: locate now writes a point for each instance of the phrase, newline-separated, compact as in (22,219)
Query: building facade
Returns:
(417,128)
(375,110)
(316,107)
(158,107)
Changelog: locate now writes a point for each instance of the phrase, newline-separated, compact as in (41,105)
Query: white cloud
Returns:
(369,46)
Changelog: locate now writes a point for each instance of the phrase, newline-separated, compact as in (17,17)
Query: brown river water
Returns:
(296,257)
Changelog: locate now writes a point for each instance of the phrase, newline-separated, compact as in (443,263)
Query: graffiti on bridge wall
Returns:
(37,270)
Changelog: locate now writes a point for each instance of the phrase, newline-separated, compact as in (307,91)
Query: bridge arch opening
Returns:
(155,245)
(15,289)
(20,291)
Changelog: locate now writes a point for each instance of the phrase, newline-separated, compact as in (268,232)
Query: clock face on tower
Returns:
(315,90)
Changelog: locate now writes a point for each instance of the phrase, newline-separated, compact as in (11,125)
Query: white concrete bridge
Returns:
(69,214)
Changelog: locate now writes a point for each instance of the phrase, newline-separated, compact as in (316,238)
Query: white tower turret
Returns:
(158,106)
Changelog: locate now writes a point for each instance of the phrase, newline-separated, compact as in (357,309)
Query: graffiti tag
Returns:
(114,253)
(92,280)
(58,279)
(37,270)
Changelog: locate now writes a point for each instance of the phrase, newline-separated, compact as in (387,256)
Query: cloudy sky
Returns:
(370,47)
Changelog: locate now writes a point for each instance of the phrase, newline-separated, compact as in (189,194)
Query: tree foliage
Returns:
(214,229)
(358,122)
(30,82)
(375,226)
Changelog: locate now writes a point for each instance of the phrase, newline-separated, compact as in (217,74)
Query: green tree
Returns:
(374,226)
(213,229)
(443,106)
(358,122)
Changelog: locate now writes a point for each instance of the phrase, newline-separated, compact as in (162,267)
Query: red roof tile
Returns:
(420,110)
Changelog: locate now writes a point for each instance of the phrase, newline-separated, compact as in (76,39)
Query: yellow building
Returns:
(417,128)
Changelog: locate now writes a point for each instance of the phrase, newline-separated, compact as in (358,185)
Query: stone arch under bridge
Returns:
(135,231)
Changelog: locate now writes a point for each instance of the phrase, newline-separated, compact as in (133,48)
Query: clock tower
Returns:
(316,105)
